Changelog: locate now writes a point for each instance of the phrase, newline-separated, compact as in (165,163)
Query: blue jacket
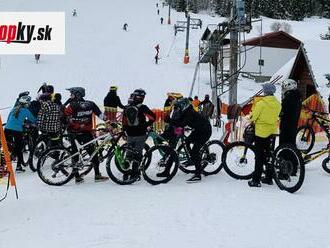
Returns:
(16,124)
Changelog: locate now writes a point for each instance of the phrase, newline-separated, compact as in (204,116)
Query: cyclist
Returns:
(184,115)
(290,113)
(49,118)
(135,124)
(14,128)
(111,103)
(207,107)
(80,113)
(264,117)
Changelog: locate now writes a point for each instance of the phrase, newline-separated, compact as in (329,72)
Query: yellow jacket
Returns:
(265,115)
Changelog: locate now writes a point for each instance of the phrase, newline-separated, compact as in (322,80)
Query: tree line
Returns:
(278,9)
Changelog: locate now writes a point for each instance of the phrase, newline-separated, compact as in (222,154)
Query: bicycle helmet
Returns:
(138,95)
(289,84)
(78,92)
(113,88)
(25,99)
(182,104)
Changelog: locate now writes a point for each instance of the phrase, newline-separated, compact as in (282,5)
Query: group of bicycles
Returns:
(57,165)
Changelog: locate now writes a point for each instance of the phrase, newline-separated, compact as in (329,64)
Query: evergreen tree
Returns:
(180,5)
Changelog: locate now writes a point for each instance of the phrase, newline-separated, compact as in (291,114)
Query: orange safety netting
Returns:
(314,102)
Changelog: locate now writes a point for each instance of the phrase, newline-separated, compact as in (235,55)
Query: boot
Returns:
(253,183)
(267,180)
(79,179)
(194,179)
(100,178)
(19,168)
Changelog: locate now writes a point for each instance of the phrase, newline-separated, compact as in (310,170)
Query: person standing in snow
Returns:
(111,102)
(135,124)
(80,114)
(207,107)
(184,115)
(14,128)
(290,113)
(37,58)
(161,20)
(157,53)
(264,117)
(196,102)
(125,26)
(157,11)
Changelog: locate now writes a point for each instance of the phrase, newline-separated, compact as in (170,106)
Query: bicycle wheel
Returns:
(238,160)
(326,164)
(162,160)
(39,149)
(118,167)
(211,157)
(305,139)
(288,168)
(27,147)
(55,167)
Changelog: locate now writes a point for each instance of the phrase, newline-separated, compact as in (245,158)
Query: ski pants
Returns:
(198,139)
(262,146)
(15,141)
(137,143)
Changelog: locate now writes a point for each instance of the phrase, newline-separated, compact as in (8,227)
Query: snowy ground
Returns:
(219,212)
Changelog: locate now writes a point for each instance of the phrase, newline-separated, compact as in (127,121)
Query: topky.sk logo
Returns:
(21,33)
(32,33)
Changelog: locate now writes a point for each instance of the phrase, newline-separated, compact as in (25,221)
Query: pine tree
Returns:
(180,5)
(297,9)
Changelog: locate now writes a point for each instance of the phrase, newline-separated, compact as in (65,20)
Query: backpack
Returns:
(131,114)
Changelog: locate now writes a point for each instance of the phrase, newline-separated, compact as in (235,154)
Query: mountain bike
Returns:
(120,162)
(285,161)
(305,138)
(58,165)
(210,153)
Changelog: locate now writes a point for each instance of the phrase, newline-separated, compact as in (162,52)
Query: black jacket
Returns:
(141,129)
(291,108)
(191,119)
(112,100)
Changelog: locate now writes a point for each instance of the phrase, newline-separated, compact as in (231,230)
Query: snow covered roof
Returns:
(278,39)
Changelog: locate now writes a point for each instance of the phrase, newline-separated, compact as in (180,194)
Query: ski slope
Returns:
(218,212)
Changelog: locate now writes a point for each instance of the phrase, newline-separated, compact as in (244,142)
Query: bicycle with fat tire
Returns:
(285,161)
(120,162)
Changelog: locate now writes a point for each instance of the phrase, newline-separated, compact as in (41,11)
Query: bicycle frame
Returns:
(106,140)
(312,156)
(320,120)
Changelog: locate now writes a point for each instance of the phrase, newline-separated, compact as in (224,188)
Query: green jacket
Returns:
(265,115)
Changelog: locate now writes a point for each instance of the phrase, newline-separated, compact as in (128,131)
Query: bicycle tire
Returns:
(326,164)
(115,170)
(237,167)
(61,153)
(166,157)
(288,167)
(39,148)
(27,147)
(305,134)
(209,157)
